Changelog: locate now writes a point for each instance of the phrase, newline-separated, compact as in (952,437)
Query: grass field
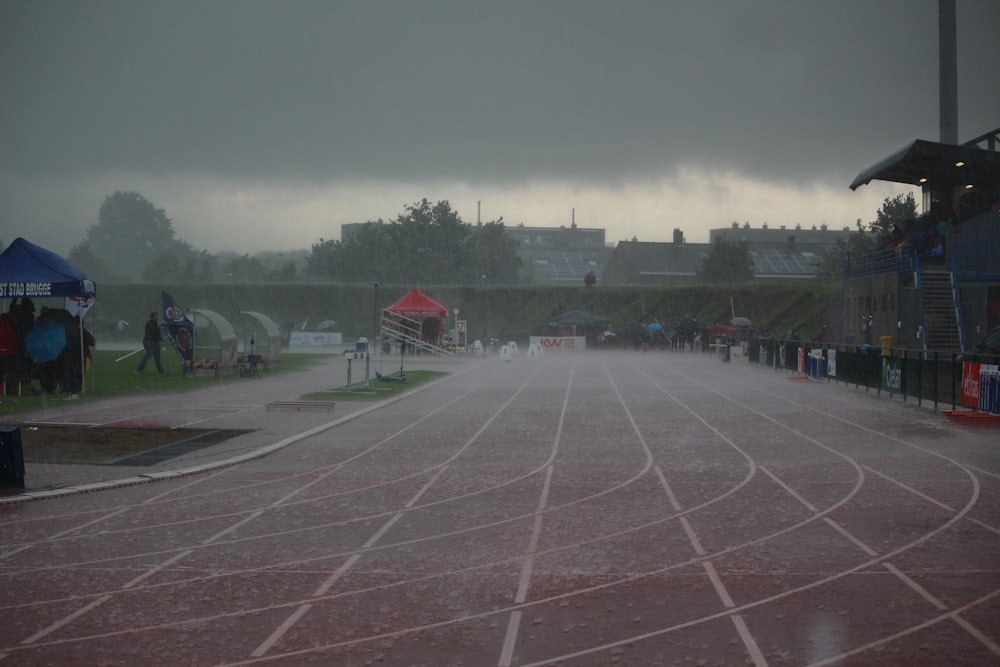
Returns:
(110,377)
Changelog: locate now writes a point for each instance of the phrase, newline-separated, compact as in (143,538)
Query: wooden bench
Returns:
(301,405)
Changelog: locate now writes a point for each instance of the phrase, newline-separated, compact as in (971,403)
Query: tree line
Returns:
(427,243)
(134,241)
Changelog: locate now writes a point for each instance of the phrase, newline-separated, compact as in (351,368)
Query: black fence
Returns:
(911,374)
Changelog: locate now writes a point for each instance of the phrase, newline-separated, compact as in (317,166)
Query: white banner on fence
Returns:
(831,363)
(316,338)
(570,343)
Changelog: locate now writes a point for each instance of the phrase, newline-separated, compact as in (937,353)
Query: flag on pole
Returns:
(179,329)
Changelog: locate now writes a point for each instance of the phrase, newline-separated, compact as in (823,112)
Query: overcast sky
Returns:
(266,124)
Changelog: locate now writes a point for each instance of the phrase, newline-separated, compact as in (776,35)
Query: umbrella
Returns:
(654,326)
(326,324)
(740,321)
(45,341)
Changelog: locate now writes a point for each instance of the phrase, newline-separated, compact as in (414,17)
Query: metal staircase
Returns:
(405,329)
(938,297)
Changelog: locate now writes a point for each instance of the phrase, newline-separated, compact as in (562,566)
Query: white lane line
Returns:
(695,542)
(843,531)
(281,630)
(974,631)
(66,619)
(790,490)
(337,574)
(755,653)
(923,592)
(713,576)
(910,489)
(528,564)
(157,568)
(507,652)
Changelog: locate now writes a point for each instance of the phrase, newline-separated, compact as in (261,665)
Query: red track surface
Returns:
(653,509)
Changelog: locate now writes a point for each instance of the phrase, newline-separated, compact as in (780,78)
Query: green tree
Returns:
(727,262)
(831,269)
(245,269)
(426,244)
(130,232)
(894,211)
(83,256)
(491,254)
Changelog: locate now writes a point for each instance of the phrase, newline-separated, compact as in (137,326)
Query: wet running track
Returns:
(588,509)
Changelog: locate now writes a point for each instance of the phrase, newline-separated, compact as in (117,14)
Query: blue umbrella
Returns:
(655,326)
(45,341)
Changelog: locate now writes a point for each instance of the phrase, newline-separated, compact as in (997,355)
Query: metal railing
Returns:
(912,374)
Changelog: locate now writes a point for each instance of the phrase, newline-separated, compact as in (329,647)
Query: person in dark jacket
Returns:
(151,343)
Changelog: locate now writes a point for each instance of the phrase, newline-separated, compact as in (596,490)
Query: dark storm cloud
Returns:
(479,91)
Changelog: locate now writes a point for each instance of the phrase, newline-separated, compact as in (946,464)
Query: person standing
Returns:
(151,343)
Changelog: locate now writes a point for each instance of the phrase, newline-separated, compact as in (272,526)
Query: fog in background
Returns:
(266,124)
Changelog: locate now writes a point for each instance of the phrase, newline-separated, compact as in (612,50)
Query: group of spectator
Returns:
(64,373)
(926,235)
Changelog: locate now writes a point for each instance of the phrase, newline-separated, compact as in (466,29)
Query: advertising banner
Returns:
(831,363)
(568,343)
(970,384)
(892,374)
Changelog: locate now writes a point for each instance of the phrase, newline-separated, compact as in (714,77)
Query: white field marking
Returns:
(666,487)
(325,587)
(954,616)
(989,473)
(299,613)
(182,554)
(986,526)
(713,575)
(66,619)
(695,542)
(528,564)
(748,640)
(911,489)
(923,592)
(974,631)
(330,581)
(871,552)
(510,639)
(606,585)
(685,524)
(843,531)
(225,531)
(603,586)
(425,488)
(281,630)
(808,505)
(156,568)
(68,532)
(720,588)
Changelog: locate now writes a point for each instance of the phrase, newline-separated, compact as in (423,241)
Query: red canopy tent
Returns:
(417,304)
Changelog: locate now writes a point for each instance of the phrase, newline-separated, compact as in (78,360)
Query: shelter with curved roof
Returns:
(270,342)
(221,342)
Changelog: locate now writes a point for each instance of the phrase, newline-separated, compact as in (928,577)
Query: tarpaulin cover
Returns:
(417,304)
(28,270)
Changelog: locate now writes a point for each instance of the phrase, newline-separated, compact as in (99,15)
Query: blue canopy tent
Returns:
(30,271)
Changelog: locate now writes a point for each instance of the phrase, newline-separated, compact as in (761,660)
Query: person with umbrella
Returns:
(151,342)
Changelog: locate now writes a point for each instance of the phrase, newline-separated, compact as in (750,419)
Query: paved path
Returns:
(589,509)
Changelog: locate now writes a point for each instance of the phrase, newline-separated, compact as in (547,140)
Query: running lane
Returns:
(578,510)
